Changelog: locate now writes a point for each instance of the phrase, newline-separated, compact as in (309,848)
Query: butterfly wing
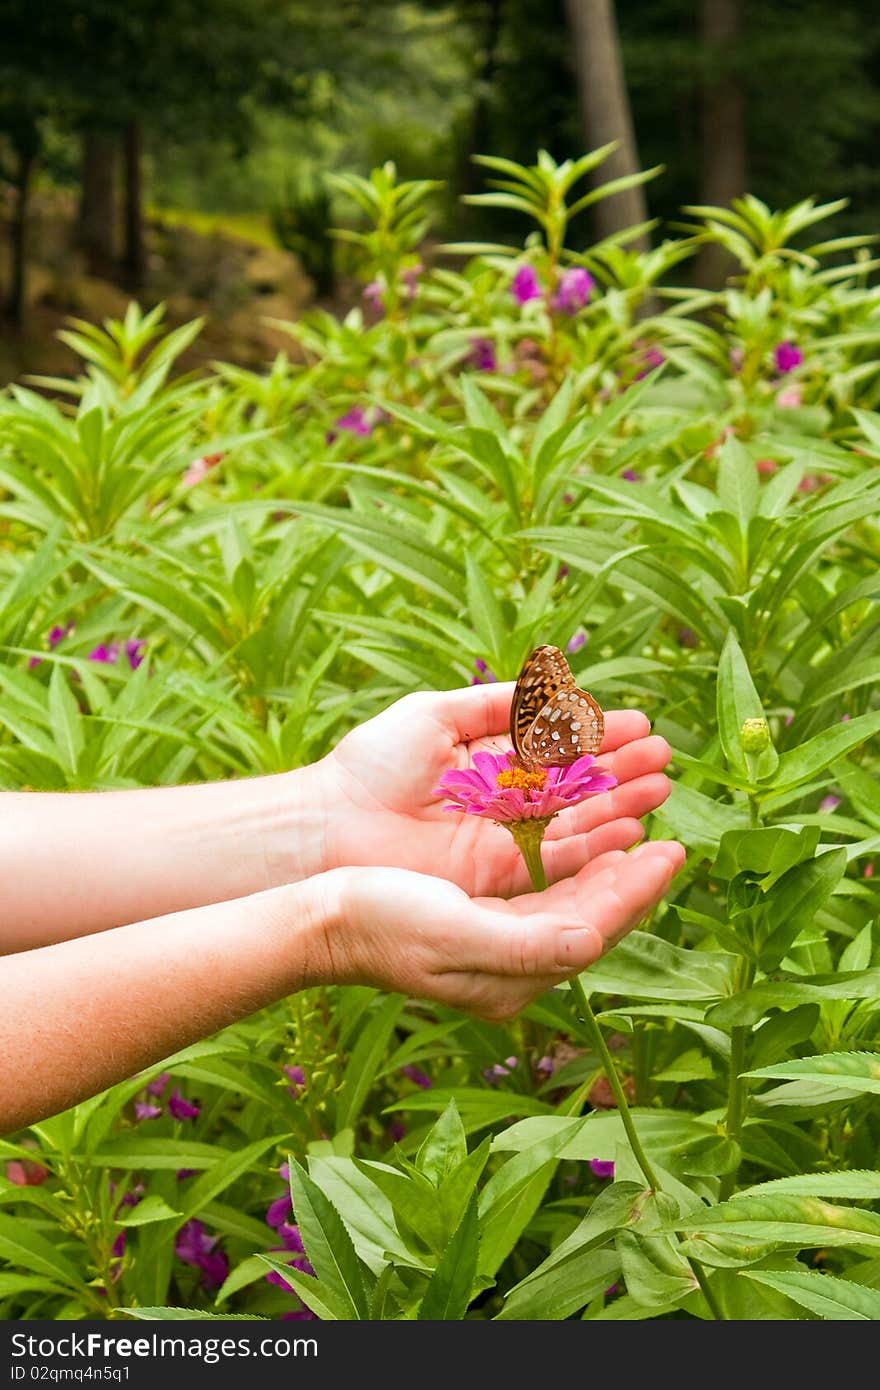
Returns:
(552,721)
(570,725)
(544,674)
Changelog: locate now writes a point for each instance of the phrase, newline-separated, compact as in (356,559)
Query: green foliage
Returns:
(414,494)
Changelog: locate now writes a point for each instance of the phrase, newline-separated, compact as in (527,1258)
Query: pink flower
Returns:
(134,651)
(157,1086)
(143,1110)
(410,277)
(829,802)
(356,421)
(105,653)
(575,643)
(24,1172)
(766,466)
(181,1109)
(737,358)
(601,1168)
(56,636)
(501,1070)
(526,285)
(649,360)
(498,788)
(373,295)
(200,468)
(196,1248)
(791,397)
(787,356)
(573,291)
(631,476)
(279,1210)
(869,870)
(396,1131)
(481,355)
(484,675)
(297,1078)
(292,1244)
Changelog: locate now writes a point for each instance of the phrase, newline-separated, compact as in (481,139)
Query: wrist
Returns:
(292,820)
(320,953)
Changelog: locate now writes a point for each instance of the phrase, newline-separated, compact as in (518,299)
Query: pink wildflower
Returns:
(526,285)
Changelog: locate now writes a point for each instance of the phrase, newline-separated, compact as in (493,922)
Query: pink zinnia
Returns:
(526,285)
(499,788)
(482,355)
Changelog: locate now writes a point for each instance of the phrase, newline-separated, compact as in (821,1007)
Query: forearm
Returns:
(73,863)
(82,1015)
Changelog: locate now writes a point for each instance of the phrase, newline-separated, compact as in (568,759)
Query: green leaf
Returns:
(794,1222)
(149,1209)
(445,1147)
(739,488)
(849,1071)
(188,1315)
(225,1172)
(25,1248)
(647,967)
(794,901)
(857,1184)
(450,1288)
(831,1298)
(366,1059)
(65,719)
(800,764)
(501,1217)
(564,1289)
(328,1244)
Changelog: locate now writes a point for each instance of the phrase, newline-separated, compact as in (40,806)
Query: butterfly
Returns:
(552,722)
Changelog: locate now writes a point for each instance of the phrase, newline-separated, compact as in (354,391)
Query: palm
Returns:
(384,773)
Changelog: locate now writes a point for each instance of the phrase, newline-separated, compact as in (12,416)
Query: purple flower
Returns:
(297,1078)
(574,290)
(196,1248)
(284,1172)
(650,359)
(829,802)
(291,1238)
(278,1211)
(56,636)
(105,653)
(526,285)
(601,1168)
(545,1066)
(410,277)
(181,1109)
(481,355)
(134,650)
(787,356)
(157,1086)
(117,1249)
(396,1131)
(144,1111)
(575,643)
(183,1173)
(416,1075)
(292,1245)
(355,421)
(497,787)
(484,675)
(631,476)
(303,1315)
(501,1070)
(737,358)
(686,637)
(373,295)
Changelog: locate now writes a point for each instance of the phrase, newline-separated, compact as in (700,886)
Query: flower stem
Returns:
(530,848)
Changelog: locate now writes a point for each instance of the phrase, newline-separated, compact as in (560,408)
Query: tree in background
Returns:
(605,110)
(723,133)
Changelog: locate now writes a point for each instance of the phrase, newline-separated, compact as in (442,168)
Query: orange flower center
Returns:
(524,779)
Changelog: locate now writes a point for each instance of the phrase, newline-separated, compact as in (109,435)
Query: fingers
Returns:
(634,799)
(475,711)
(569,925)
(563,858)
(637,757)
(481,711)
(622,726)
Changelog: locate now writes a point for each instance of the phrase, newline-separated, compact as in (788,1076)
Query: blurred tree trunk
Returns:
(605,110)
(25,162)
(98,204)
(479,135)
(134,259)
(724,143)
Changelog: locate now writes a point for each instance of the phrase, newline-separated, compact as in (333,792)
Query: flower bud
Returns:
(755,736)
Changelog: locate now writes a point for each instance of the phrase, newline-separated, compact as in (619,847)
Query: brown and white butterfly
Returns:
(552,721)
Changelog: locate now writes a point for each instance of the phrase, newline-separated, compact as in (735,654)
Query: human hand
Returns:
(423,936)
(377,799)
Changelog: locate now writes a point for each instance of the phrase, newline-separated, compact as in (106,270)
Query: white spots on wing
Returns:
(554,734)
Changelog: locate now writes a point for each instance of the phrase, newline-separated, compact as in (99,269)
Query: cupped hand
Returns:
(376,791)
(424,937)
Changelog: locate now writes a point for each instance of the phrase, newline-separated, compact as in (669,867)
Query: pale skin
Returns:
(135,923)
